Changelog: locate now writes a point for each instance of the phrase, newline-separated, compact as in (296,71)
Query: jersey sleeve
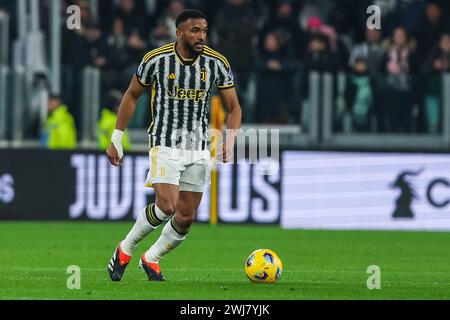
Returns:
(225,78)
(146,71)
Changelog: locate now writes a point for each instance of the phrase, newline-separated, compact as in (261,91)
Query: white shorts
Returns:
(188,169)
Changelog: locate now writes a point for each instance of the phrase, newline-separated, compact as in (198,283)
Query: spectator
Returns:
(117,57)
(85,12)
(399,65)
(236,26)
(437,62)
(284,22)
(359,95)
(107,123)
(173,11)
(347,19)
(160,35)
(59,130)
(439,59)
(318,56)
(275,65)
(429,31)
(136,47)
(410,13)
(135,26)
(334,45)
(116,46)
(134,21)
(370,51)
(313,8)
(399,61)
(88,49)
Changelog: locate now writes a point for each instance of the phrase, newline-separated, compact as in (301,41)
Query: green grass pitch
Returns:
(210,263)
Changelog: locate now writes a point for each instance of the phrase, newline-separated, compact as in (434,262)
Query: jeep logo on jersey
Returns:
(178,93)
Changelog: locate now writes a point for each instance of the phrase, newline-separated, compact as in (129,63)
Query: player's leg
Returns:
(152,216)
(176,230)
(149,219)
(194,176)
(173,234)
(164,176)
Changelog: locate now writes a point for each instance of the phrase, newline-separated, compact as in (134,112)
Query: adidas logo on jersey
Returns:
(172,76)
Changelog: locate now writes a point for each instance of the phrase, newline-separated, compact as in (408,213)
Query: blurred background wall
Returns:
(310,69)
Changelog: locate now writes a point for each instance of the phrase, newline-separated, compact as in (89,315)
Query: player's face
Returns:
(194,34)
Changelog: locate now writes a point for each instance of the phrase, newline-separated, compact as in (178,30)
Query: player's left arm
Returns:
(231,102)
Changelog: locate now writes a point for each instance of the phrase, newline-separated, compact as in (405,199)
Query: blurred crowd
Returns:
(392,80)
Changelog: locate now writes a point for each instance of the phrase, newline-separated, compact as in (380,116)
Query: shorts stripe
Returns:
(154,166)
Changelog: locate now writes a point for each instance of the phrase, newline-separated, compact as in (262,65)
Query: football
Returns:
(263,266)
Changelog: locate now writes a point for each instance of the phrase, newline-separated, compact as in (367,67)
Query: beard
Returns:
(192,50)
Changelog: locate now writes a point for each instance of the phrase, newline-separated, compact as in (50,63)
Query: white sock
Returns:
(171,237)
(144,225)
(161,215)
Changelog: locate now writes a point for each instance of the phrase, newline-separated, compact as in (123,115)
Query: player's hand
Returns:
(226,152)
(115,150)
(113,156)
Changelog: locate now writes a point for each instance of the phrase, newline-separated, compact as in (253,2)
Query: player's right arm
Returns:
(141,81)
(129,102)
(124,114)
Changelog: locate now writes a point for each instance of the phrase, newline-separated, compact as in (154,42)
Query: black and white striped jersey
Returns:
(180,94)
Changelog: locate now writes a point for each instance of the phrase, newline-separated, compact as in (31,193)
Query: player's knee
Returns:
(166,206)
(186,218)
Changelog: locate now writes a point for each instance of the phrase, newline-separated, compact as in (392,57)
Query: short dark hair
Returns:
(189,14)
